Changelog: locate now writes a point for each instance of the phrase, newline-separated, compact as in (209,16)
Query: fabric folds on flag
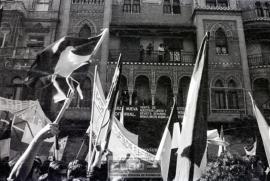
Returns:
(168,142)
(62,58)
(193,138)
(5,133)
(263,128)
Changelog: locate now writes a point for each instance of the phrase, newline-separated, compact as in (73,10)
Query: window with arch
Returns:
(259,9)
(85,31)
(267,9)
(214,3)
(221,42)
(132,6)
(171,7)
(232,95)
(219,100)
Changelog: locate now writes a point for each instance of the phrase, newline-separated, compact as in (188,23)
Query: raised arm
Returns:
(23,166)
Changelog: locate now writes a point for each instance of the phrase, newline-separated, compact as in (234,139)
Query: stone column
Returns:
(153,95)
(130,93)
(105,45)
(64,11)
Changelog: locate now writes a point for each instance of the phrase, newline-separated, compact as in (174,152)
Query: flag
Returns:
(169,141)
(221,148)
(121,144)
(5,133)
(104,122)
(263,128)
(61,58)
(28,119)
(62,145)
(251,149)
(213,138)
(193,138)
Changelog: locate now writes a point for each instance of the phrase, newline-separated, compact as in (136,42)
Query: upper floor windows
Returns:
(132,6)
(262,9)
(87,1)
(171,7)
(214,3)
(221,42)
(42,5)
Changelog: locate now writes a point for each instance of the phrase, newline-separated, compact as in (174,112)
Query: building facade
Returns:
(158,40)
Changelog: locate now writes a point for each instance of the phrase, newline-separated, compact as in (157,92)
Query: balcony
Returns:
(18,58)
(259,60)
(180,57)
(49,15)
(256,15)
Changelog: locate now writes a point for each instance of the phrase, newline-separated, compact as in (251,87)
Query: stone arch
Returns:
(261,90)
(236,80)
(142,93)
(123,91)
(142,74)
(183,87)
(164,91)
(85,22)
(164,75)
(228,31)
(219,77)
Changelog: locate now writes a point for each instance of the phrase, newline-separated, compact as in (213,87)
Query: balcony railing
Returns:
(259,59)
(256,15)
(20,52)
(154,56)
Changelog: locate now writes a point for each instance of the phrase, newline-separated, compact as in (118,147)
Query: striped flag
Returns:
(263,128)
(61,58)
(193,138)
(168,144)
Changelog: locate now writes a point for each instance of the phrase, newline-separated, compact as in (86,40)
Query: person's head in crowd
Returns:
(35,171)
(57,171)
(76,169)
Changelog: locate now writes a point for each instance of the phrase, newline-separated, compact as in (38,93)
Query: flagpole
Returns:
(103,117)
(91,122)
(58,118)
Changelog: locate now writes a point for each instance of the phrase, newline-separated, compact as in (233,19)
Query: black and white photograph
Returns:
(134,90)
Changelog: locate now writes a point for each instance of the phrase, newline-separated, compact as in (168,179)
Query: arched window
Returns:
(127,6)
(164,93)
(123,90)
(142,94)
(182,91)
(221,42)
(219,101)
(232,95)
(267,9)
(259,9)
(85,31)
(171,6)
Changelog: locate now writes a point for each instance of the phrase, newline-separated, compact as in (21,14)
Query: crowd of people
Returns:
(29,167)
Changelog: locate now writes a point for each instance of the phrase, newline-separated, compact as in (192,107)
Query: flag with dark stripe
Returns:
(62,58)
(193,138)
(166,154)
